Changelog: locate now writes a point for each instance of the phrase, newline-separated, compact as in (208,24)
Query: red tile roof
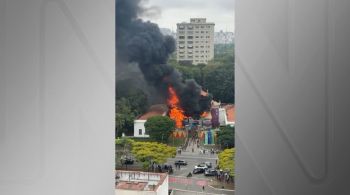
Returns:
(230,112)
(154,110)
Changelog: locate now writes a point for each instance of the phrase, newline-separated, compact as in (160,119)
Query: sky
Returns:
(167,13)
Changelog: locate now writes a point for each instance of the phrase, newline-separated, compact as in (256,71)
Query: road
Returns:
(178,179)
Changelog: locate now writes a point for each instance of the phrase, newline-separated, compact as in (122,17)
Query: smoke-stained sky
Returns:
(166,13)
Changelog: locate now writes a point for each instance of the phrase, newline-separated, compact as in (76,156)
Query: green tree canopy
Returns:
(226,137)
(159,127)
(130,103)
(148,152)
(226,161)
(219,80)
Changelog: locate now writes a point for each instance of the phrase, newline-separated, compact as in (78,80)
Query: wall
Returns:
(57,97)
(139,124)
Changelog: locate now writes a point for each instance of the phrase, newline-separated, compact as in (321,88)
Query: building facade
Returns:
(139,123)
(141,183)
(195,41)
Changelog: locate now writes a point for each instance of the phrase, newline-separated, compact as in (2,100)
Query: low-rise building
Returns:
(141,183)
(139,123)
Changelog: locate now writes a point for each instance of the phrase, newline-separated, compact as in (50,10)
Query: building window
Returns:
(189,37)
(181,37)
(140,131)
(181,42)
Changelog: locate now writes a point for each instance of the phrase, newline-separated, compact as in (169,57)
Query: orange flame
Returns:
(176,113)
(204,114)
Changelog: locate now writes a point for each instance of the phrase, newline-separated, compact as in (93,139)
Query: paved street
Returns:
(178,179)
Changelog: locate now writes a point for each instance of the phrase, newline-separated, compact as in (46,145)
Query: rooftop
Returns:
(154,110)
(230,112)
(139,181)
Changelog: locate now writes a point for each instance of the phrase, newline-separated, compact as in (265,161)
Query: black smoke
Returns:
(142,42)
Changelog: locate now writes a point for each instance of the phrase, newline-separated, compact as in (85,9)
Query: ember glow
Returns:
(175,113)
(204,114)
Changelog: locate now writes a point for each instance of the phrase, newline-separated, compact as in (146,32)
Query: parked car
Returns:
(208,164)
(127,161)
(180,162)
(202,166)
(198,170)
(210,172)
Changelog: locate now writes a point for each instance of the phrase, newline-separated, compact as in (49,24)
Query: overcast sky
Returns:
(166,13)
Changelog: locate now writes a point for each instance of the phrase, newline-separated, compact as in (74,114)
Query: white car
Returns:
(201,166)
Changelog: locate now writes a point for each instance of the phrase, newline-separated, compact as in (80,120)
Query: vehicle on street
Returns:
(198,170)
(202,165)
(127,161)
(180,162)
(208,164)
(210,172)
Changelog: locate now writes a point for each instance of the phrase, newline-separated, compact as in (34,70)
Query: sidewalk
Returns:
(221,185)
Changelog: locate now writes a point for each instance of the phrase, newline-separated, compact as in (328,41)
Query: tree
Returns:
(149,152)
(124,116)
(226,137)
(159,127)
(219,80)
(130,103)
(226,161)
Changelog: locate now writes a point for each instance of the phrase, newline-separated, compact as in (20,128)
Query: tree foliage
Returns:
(159,127)
(130,103)
(217,76)
(149,152)
(219,80)
(226,161)
(226,137)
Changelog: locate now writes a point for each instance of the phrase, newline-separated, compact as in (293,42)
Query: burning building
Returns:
(142,43)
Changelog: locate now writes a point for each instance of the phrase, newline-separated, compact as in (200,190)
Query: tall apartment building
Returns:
(195,41)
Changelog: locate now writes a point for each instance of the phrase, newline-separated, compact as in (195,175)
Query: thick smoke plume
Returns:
(141,42)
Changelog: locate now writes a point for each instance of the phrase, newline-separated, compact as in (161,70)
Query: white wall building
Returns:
(141,183)
(139,128)
(139,124)
(195,41)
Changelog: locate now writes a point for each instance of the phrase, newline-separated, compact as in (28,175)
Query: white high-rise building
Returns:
(195,41)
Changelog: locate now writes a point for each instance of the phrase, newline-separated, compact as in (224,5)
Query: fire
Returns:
(204,114)
(176,113)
